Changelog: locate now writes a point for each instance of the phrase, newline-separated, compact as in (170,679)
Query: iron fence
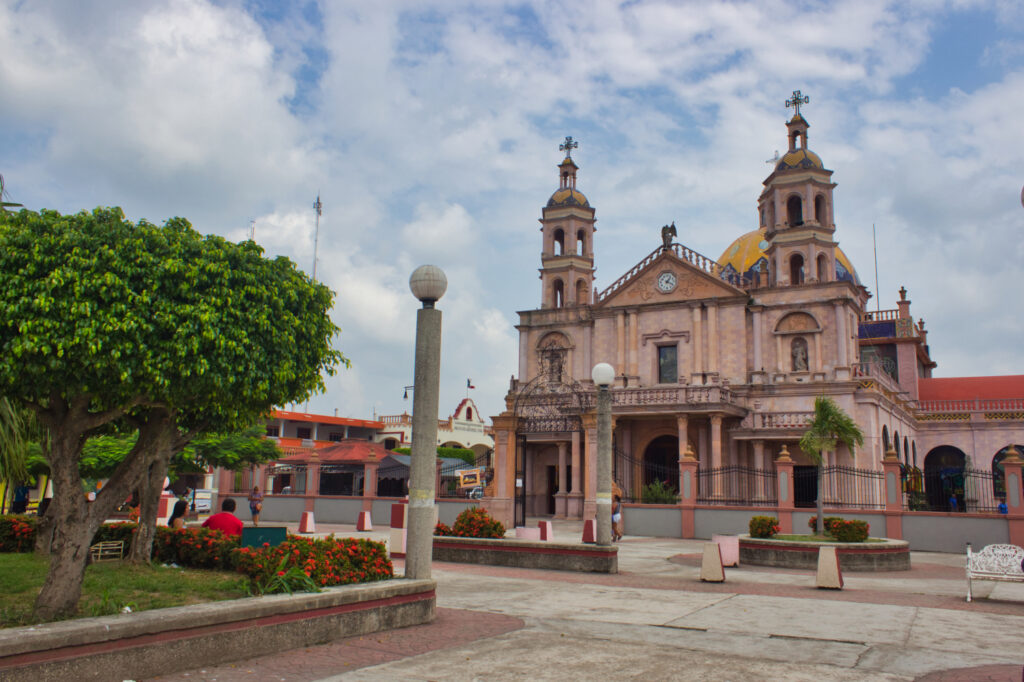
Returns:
(645,481)
(953,489)
(737,486)
(844,487)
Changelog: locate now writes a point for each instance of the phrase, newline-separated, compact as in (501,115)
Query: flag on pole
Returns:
(469,384)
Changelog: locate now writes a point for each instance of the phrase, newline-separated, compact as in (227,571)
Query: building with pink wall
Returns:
(723,358)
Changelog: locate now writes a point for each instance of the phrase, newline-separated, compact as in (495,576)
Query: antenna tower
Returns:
(318,207)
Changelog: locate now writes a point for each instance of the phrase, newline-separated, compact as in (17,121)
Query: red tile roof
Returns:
(325,419)
(354,451)
(968,388)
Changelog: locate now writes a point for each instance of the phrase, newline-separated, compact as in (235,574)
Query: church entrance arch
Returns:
(548,410)
(944,478)
(661,463)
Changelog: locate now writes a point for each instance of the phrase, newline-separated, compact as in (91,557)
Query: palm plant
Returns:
(829,427)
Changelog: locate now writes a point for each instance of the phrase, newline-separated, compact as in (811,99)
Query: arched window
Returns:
(559,242)
(819,209)
(581,292)
(771,213)
(885,440)
(913,446)
(896,443)
(796,269)
(794,209)
(823,268)
(469,414)
(944,478)
(798,352)
(906,450)
(998,475)
(558,291)
(581,241)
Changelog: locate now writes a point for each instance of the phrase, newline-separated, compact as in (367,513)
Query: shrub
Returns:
(826,523)
(658,492)
(763,526)
(475,522)
(850,531)
(298,563)
(194,547)
(443,529)
(17,533)
(123,531)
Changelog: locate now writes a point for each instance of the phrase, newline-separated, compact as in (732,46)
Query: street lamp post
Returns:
(428,284)
(603,375)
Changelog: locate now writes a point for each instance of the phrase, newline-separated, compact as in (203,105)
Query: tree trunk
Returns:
(71,522)
(820,524)
(151,491)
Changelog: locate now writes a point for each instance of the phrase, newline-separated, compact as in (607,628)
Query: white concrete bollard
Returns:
(711,570)
(830,576)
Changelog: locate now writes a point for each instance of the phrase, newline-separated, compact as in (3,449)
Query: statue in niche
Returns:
(799,353)
(667,233)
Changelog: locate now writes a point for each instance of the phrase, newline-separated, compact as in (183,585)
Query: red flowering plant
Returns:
(763,526)
(324,561)
(194,547)
(475,522)
(443,529)
(17,533)
(842,530)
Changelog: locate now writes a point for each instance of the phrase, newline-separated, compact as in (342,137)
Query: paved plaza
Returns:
(655,620)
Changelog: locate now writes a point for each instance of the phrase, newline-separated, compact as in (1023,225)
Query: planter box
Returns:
(527,554)
(888,555)
(163,641)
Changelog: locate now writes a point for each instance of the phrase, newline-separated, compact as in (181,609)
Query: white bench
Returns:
(995,562)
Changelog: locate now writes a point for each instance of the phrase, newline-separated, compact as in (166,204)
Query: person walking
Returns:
(617,525)
(255,504)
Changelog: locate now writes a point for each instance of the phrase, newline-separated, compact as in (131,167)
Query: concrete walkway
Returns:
(655,620)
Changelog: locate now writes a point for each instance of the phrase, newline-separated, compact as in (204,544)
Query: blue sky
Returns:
(431,132)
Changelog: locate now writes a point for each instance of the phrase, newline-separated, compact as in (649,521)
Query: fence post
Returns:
(784,481)
(687,491)
(893,495)
(1012,469)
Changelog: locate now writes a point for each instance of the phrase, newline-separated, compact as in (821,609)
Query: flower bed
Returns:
(883,555)
(474,522)
(296,564)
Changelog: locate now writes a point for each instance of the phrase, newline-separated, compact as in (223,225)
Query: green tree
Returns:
(829,427)
(103,321)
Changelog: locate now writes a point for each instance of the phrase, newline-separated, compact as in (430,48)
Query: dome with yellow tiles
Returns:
(799,158)
(568,197)
(745,257)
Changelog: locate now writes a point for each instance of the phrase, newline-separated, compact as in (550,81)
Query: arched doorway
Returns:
(661,462)
(944,478)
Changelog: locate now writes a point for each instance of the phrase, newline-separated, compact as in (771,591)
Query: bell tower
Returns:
(795,210)
(567,229)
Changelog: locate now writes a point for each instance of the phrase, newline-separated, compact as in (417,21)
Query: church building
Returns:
(721,359)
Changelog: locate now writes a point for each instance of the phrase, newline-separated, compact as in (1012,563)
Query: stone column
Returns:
(574,504)
(716,451)
(841,359)
(682,428)
(560,496)
(784,481)
(762,491)
(1012,471)
(893,495)
(713,339)
(688,468)
(698,345)
(370,481)
(634,343)
(590,462)
(620,340)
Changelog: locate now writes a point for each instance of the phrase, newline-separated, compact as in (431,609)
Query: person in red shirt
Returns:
(225,521)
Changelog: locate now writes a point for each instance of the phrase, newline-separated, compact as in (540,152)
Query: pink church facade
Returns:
(720,360)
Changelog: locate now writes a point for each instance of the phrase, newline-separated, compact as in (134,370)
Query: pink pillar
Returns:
(369,482)
(312,485)
(688,466)
(893,495)
(1012,469)
(784,469)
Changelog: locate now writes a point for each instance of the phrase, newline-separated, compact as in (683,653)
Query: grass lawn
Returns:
(110,586)
(816,538)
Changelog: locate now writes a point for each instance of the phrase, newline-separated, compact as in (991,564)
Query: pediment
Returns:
(680,281)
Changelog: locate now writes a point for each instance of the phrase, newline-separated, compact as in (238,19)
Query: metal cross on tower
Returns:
(568,146)
(797,99)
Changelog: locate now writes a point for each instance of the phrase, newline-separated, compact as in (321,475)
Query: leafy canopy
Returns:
(829,426)
(135,314)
